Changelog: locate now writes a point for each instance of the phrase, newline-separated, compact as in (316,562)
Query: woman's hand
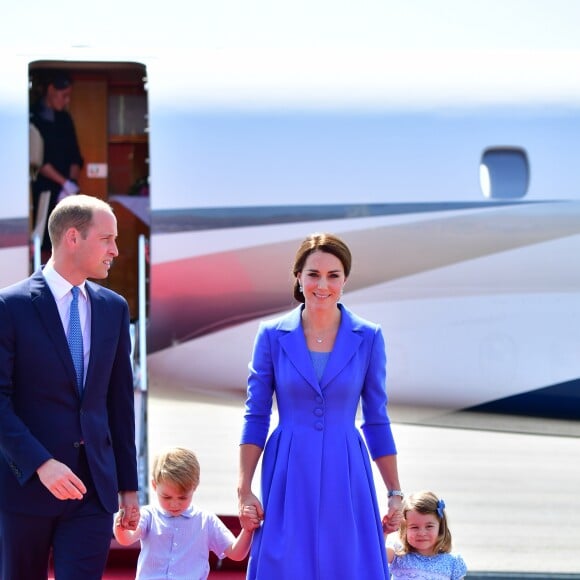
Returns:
(250,512)
(251,521)
(392,521)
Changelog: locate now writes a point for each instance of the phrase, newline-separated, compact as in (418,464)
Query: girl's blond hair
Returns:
(426,502)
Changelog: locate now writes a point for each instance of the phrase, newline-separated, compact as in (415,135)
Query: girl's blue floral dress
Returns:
(414,566)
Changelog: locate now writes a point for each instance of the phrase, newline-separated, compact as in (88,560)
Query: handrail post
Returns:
(36,252)
(141,385)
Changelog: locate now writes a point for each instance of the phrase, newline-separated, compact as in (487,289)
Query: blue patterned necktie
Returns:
(75,338)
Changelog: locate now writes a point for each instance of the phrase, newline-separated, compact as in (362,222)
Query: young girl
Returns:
(425,553)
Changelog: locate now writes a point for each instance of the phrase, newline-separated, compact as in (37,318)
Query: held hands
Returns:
(392,521)
(249,518)
(128,515)
(127,518)
(251,512)
(60,480)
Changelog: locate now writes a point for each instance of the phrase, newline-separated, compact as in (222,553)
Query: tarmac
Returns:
(512,498)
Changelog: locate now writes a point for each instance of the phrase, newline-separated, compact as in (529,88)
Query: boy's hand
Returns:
(118,517)
(250,511)
(127,518)
(249,518)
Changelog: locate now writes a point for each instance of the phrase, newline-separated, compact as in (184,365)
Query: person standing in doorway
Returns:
(68,459)
(62,160)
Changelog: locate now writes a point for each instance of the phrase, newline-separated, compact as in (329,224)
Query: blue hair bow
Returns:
(440,507)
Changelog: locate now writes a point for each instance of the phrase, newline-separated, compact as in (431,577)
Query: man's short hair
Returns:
(74,211)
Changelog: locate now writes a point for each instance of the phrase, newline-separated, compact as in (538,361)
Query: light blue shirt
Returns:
(178,548)
(319,360)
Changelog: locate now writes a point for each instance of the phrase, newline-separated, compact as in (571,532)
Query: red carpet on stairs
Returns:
(122,561)
(122,565)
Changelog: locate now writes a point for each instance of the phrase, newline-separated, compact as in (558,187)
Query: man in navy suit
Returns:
(68,460)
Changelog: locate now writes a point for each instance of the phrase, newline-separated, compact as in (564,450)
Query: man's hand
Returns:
(60,480)
(128,510)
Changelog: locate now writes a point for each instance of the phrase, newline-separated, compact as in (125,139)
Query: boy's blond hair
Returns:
(178,466)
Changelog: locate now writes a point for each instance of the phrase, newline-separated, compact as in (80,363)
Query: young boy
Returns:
(176,537)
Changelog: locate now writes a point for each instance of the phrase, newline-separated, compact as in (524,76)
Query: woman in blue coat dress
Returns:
(321,517)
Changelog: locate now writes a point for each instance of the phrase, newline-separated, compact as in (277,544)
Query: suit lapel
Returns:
(44,302)
(98,314)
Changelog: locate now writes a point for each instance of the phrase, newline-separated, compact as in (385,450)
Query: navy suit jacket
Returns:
(42,415)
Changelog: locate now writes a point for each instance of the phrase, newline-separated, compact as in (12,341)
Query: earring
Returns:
(300,288)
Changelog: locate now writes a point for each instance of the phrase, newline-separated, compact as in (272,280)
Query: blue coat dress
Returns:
(322,520)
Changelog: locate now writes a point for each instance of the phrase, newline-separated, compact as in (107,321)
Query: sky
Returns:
(208,61)
(314,24)
(319,52)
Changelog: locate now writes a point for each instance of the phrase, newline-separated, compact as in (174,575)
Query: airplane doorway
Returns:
(109,108)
